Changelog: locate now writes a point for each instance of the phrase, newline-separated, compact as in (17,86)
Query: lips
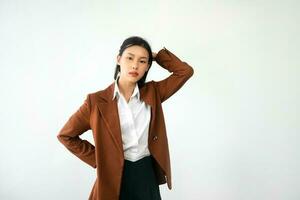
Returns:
(133,73)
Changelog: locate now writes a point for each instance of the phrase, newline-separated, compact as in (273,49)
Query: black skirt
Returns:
(139,181)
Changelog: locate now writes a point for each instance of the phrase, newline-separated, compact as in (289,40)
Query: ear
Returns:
(118,59)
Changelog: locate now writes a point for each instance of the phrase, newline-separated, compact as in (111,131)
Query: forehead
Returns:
(137,51)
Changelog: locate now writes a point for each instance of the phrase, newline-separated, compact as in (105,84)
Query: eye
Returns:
(129,58)
(143,61)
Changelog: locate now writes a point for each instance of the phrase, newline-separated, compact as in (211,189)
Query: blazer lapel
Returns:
(147,95)
(109,110)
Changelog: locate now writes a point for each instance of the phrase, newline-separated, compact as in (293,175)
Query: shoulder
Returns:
(148,86)
(152,85)
(102,95)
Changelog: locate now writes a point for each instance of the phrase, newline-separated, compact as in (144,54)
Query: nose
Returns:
(134,67)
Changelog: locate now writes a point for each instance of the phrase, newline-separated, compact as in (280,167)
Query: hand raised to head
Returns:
(154,55)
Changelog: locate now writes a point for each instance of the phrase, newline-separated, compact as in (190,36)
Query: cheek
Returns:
(142,73)
(143,69)
(124,67)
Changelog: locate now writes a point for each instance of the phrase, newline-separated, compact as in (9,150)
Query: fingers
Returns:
(154,55)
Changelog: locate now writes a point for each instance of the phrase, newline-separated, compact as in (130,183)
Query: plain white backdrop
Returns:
(233,128)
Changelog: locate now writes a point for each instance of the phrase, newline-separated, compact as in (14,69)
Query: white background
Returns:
(233,128)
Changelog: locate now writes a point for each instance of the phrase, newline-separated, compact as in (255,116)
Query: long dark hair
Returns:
(135,40)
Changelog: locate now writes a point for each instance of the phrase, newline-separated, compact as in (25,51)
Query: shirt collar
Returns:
(136,91)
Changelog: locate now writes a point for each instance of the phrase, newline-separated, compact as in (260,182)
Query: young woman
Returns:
(130,154)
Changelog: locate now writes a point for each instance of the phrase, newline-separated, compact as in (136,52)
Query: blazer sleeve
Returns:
(78,123)
(181,72)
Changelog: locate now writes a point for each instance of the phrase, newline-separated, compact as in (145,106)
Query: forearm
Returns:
(83,149)
(76,125)
(181,72)
(166,59)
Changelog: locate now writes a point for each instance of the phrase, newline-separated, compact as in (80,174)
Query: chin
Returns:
(133,80)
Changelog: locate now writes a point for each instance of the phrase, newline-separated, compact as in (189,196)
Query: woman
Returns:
(130,154)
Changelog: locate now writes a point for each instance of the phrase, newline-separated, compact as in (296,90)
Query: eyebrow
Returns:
(133,55)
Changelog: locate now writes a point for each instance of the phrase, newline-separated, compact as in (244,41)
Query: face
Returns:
(133,63)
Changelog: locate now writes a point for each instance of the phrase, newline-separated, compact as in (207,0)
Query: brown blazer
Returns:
(100,114)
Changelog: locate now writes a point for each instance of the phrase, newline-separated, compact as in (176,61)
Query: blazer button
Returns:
(155,138)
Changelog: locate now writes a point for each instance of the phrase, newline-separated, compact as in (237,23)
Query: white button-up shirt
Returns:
(134,122)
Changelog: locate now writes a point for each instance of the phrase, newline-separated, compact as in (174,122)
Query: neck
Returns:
(126,88)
